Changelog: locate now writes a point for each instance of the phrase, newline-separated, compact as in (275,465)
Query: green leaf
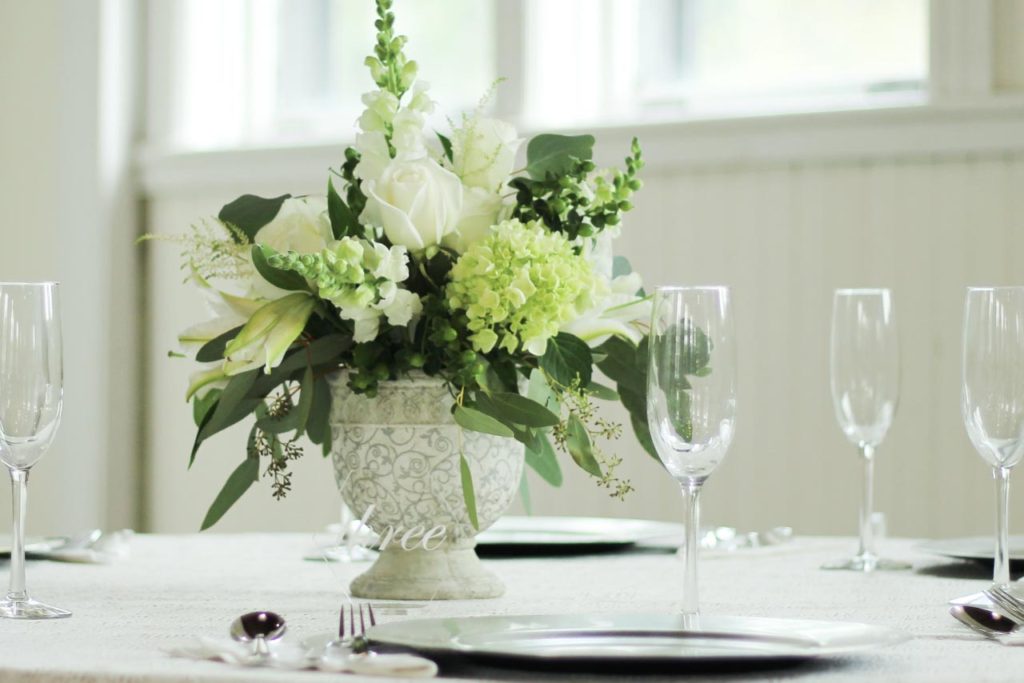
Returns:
(343,220)
(529,437)
(213,350)
(545,463)
(237,484)
(643,434)
(318,426)
(540,391)
(582,451)
(249,213)
(524,493)
(298,416)
(602,392)
(621,266)
(201,405)
(319,352)
(553,155)
(467,491)
(621,364)
(515,409)
(475,421)
(446,144)
(284,279)
(233,406)
(567,357)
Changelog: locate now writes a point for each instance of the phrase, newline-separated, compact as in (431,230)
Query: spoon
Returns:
(258,628)
(985,621)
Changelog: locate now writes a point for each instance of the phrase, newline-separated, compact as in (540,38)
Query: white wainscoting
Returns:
(783,235)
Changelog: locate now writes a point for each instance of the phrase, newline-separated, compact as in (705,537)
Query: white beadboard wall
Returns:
(783,235)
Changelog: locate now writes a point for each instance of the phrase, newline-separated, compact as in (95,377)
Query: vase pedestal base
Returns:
(447,573)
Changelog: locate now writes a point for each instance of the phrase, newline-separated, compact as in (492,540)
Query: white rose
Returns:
(301,225)
(416,202)
(480,210)
(484,152)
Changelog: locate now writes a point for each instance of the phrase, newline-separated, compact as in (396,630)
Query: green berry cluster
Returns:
(390,70)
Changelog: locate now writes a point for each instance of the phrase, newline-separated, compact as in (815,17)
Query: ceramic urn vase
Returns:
(397,464)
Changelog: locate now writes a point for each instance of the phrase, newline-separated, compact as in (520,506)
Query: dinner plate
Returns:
(32,545)
(569,534)
(976,548)
(632,638)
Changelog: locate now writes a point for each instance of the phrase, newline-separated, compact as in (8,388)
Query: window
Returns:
(272,71)
(277,71)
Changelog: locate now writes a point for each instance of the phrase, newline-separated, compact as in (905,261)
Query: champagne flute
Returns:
(865,372)
(992,400)
(31,395)
(691,400)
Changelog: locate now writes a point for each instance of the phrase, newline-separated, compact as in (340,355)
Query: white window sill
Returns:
(994,125)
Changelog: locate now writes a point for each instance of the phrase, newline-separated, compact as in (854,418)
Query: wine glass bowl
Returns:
(31,397)
(864,371)
(992,396)
(691,399)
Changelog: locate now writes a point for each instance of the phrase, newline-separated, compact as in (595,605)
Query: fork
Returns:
(1010,603)
(352,634)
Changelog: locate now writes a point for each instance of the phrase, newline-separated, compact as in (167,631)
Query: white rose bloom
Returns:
(481,210)
(484,152)
(416,202)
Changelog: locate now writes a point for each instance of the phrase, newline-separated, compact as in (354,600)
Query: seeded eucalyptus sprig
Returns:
(390,69)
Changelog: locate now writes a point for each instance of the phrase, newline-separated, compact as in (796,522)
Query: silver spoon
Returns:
(985,621)
(258,628)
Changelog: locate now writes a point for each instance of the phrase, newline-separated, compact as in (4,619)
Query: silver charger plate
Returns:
(976,548)
(633,638)
(568,532)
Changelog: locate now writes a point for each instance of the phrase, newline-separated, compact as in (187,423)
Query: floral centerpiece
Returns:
(431,255)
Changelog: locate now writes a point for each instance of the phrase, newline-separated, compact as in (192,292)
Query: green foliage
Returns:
(344,221)
(237,484)
(468,493)
(544,462)
(552,156)
(249,213)
(446,145)
(515,409)
(389,68)
(233,405)
(577,201)
(201,405)
(476,421)
(626,365)
(567,360)
(213,350)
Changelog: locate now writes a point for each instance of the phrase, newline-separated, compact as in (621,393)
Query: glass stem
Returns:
(867,541)
(1001,570)
(691,521)
(19,499)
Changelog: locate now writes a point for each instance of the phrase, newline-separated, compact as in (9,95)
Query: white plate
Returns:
(567,532)
(32,545)
(978,548)
(652,638)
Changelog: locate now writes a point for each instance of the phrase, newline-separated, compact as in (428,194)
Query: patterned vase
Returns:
(396,461)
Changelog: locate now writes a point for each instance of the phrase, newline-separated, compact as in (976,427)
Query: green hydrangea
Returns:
(519,285)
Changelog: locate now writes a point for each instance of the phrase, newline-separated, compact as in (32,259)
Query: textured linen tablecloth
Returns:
(175,587)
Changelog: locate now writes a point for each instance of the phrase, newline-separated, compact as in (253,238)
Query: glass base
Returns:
(867,563)
(30,609)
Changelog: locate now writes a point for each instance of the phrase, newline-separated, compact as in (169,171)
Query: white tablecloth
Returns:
(176,587)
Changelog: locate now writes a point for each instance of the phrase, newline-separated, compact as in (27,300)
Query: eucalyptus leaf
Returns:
(319,352)
(233,405)
(524,493)
(297,417)
(580,448)
(236,485)
(467,491)
(283,279)
(213,350)
(550,154)
(566,358)
(621,266)
(249,213)
(540,391)
(476,421)
(602,392)
(201,405)
(622,365)
(515,409)
(446,145)
(318,426)
(544,462)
